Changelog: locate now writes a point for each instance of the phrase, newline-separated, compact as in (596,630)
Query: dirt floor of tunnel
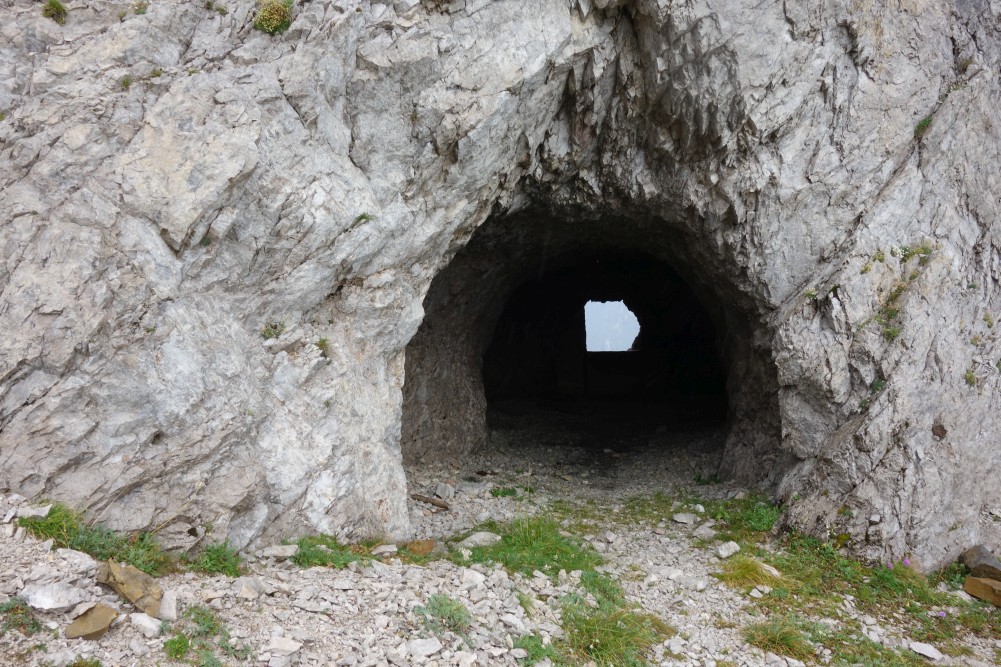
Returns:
(541,450)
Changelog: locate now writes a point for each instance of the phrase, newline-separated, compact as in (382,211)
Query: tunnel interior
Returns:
(503,346)
(673,366)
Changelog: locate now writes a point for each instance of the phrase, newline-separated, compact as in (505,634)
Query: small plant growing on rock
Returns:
(442,613)
(970,377)
(140,7)
(272,330)
(16,615)
(55,10)
(922,127)
(324,346)
(273,16)
(218,559)
(125,82)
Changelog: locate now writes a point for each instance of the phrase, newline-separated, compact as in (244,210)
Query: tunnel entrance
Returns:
(502,349)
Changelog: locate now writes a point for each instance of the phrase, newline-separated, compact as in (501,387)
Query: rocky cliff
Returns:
(217,244)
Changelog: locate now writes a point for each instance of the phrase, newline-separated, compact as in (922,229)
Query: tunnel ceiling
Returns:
(648,263)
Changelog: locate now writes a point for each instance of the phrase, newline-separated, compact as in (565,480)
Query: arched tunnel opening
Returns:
(501,358)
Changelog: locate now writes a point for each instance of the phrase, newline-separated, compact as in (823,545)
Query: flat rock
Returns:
(988,590)
(424,647)
(728,549)
(926,650)
(93,623)
(982,563)
(480,539)
(384,550)
(283,646)
(280,552)
(57,597)
(34,512)
(132,584)
(686,518)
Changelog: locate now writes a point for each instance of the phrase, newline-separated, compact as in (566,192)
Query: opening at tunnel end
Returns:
(609,326)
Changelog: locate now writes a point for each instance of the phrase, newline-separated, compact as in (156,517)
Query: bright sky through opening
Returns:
(610,326)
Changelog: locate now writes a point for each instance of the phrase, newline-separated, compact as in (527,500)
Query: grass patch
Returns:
(609,635)
(444,614)
(537,651)
(15,614)
(218,559)
(197,638)
(742,571)
(922,127)
(325,550)
(535,543)
(67,530)
(504,492)
(55,10)
(783,635)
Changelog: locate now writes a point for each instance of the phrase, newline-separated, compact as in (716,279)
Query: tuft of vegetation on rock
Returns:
(67,529)
(273,16)
(55,10)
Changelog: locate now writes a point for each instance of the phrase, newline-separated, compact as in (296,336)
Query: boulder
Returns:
(132,584)
(988,590)
(982,562)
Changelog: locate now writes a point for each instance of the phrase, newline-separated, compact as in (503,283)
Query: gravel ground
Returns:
(370,615)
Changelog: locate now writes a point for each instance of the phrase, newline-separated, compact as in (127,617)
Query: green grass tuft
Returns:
(537,651)
(15,614)
(218,559)
(782,635)
(743,571)
(67,530)
(325,550)
(609,635)
(55,10)
(177,647)
(922,127)
(444,614)
(536,543)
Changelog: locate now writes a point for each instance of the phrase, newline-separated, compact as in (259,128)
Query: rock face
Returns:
(217,244)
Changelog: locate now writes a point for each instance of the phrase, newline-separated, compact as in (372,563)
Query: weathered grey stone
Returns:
(926,651)
(55,597)
(727,549)
(324,181)
(149,626)
(480,539)
(280,552)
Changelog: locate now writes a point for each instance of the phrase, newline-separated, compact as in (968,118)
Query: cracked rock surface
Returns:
(217,244)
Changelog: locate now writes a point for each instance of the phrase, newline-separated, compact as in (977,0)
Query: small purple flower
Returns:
(907,562)
(941,614)
(889,565)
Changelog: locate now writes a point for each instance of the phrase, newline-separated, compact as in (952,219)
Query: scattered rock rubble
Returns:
(367,616)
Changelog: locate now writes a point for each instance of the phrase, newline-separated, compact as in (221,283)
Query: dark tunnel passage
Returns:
(674,364)
(502,348)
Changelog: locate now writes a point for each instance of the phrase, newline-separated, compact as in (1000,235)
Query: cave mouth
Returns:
(502,348)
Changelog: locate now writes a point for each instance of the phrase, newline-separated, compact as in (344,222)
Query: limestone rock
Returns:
(380,180)
(927,651)
(424,648)
(480,539)
(168,606)
(686,518)
(280,552)
(132,584)
(54,597)
(93,623)
(726,550)
(149,626)
(982,563)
